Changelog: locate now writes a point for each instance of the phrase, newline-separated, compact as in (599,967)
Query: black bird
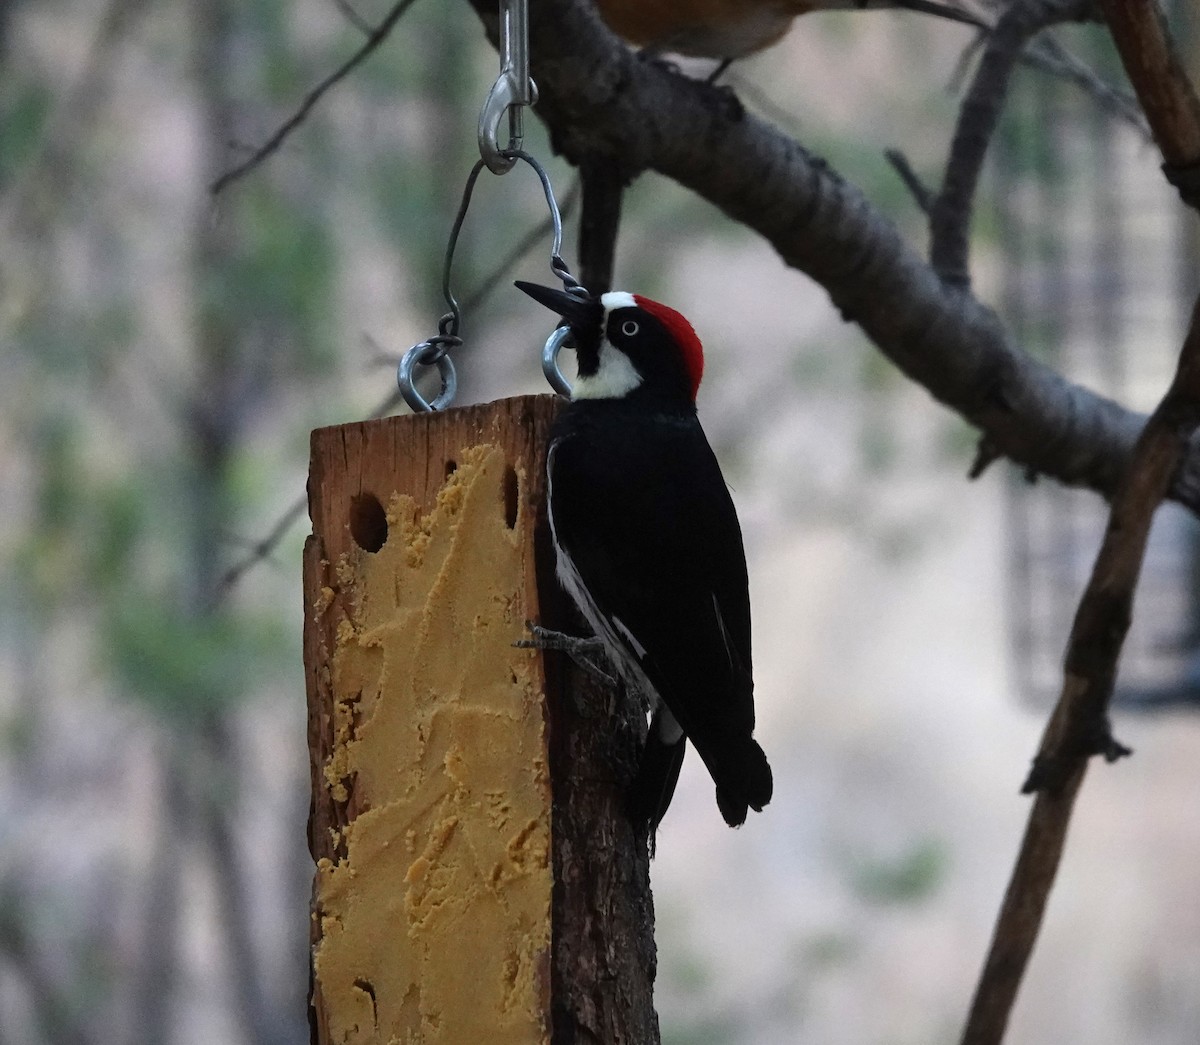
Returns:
(649,545)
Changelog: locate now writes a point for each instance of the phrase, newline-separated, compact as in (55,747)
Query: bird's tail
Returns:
(658,773)
(743,779)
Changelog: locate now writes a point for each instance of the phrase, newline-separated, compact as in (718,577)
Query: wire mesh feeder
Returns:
(1095,279)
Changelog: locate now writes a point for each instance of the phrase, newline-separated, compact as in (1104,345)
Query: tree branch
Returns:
(272,144)
(261,550)
(353,17)
(1163,88)
(596,96)
(950,215)
(1079,726)
(1049,56)
(604,184)
(921,193)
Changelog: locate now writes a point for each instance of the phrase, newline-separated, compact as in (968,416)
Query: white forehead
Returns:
(615,299)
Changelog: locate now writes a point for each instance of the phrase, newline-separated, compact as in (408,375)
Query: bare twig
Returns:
(353,17)
(962,66)
(272,144)
(1079,725)
(1163,88)
(1049,56)
(985,456)
(950,216)
(604,180)
(262,549)
(921,192)
(1046,55)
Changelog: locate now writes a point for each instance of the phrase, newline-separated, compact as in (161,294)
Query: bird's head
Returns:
(627,344)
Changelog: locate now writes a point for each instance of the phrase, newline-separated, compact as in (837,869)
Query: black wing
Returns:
(651,528)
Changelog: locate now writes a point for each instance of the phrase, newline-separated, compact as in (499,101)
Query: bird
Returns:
(649,548)
(732,29)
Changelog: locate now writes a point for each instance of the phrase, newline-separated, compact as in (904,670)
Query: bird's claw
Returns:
(578,649)
(548,638)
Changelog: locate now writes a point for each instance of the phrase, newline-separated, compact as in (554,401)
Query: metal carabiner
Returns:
(511,92)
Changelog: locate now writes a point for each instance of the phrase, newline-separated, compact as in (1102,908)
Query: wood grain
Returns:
(598,977)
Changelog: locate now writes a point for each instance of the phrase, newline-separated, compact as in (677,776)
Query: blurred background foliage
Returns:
(165,355)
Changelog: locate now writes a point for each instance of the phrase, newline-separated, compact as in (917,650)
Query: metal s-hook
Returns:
(511,92)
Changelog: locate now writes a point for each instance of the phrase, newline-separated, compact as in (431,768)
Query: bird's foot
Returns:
(580,650)
(548,638)
(725,100)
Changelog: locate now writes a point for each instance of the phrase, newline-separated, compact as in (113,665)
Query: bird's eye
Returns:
(629,328)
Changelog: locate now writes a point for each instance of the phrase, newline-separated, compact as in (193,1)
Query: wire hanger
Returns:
(512,91)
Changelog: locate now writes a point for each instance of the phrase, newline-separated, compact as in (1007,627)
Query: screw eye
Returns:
(629,328)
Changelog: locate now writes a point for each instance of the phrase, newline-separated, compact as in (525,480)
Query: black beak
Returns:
(581,313)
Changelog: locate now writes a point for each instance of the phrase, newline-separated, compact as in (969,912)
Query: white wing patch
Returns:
(669,729)
(623,628)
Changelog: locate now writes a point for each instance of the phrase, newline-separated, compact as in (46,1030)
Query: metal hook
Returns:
(555,344)
(511,92)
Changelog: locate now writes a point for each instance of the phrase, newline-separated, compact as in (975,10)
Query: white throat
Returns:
(615,376)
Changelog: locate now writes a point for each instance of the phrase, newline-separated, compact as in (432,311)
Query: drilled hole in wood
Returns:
(368,988)
(512,488)
(368,522)
(451,468)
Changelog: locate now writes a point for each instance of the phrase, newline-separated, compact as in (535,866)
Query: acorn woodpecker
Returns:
(649,547)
